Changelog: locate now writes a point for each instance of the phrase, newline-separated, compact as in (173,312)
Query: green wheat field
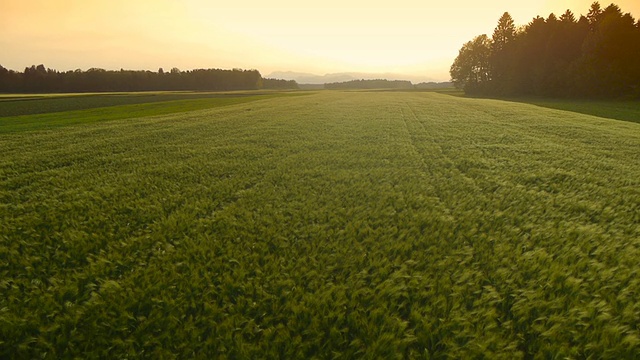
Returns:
(328,225)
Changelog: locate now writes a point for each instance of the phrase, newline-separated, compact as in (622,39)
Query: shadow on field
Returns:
(625,110)
(613,109)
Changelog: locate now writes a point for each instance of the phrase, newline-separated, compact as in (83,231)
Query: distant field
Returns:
(13,105)
(332,225)
(52,111)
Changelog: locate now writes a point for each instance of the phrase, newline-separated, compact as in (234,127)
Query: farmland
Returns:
(330,225)
(37,112)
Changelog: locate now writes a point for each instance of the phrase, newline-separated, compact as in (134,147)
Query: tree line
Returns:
(370,84)
(280,84)
(38,79)
(597,55)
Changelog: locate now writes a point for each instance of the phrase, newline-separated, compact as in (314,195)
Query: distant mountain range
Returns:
(307,78)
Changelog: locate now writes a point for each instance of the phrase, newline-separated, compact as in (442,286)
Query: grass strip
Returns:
(53,120)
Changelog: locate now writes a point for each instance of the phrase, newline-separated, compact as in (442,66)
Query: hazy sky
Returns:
(418,37)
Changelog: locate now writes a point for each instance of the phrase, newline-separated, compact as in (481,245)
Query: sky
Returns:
(416,38)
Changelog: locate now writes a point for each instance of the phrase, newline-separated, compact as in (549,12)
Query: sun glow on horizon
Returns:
(410,37)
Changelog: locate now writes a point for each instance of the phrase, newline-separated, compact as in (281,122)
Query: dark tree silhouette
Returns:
(594,56)
(39,79)
(470,70)
(612,54)
(501,52)
(370,84)
(279,84)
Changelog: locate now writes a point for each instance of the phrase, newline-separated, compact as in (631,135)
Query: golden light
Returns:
(418,38)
